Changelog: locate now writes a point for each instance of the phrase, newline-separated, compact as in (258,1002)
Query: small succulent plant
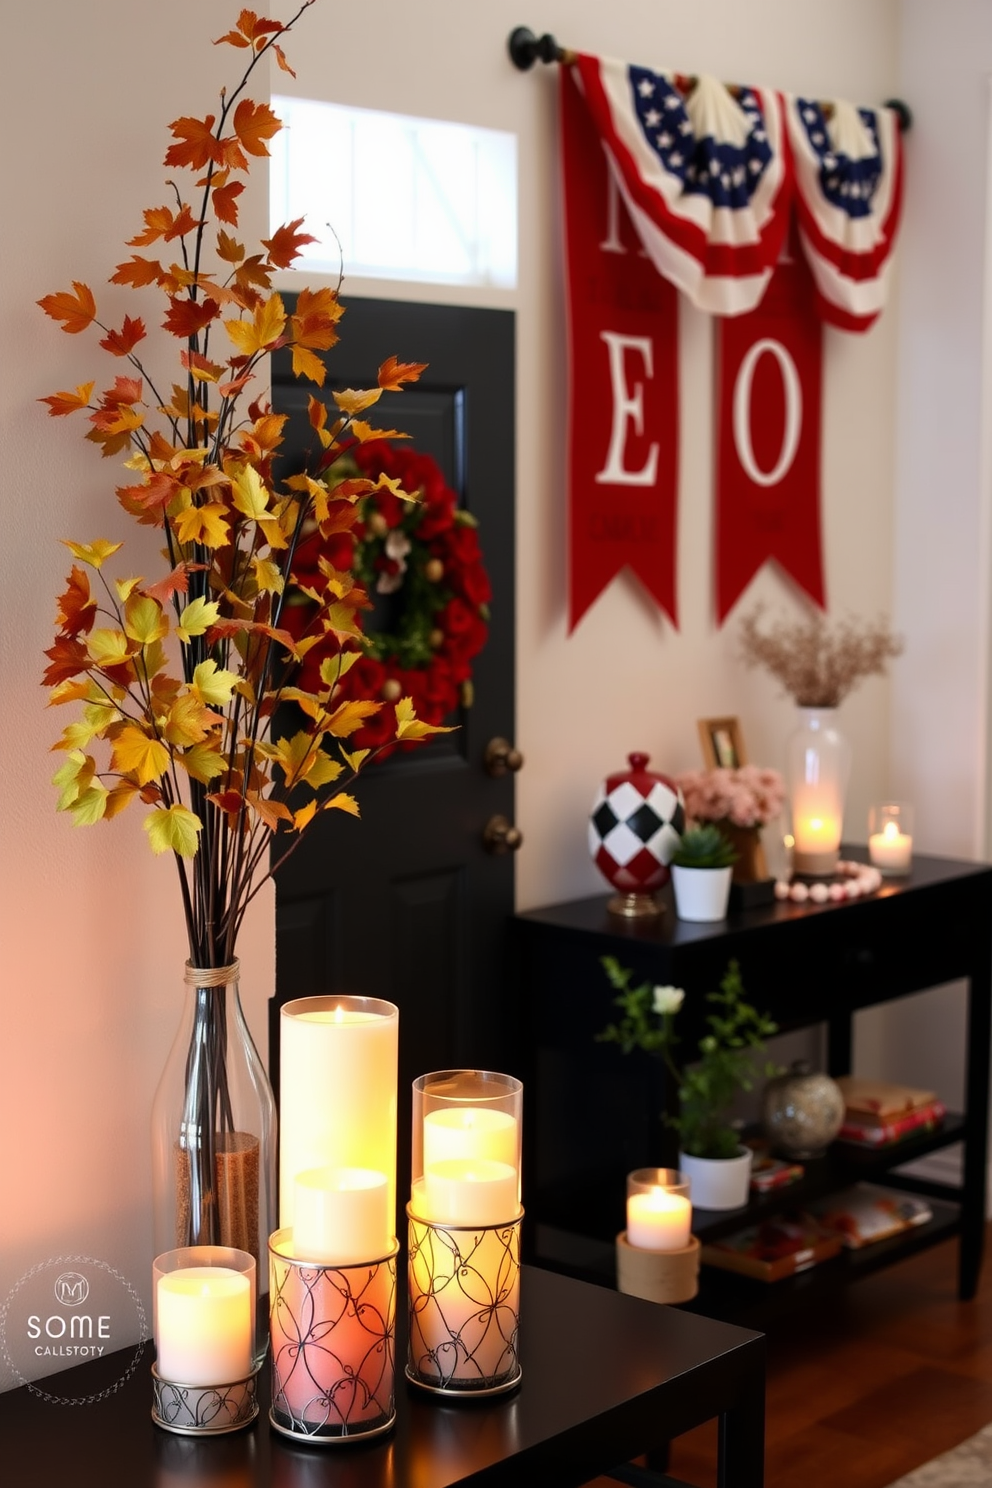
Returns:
(705,846)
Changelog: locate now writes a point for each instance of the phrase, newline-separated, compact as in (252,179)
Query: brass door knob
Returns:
(500,756)
(500,836)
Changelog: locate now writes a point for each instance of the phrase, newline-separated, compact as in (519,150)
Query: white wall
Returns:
(91,931)
(939,737)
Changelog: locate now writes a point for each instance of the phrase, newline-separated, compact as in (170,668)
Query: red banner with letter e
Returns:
(623,382)
(768,440)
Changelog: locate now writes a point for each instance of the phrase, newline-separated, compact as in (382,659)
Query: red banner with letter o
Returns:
(623,383)
(768,439)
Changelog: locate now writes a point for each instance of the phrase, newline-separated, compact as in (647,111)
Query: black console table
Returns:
(594,1112)
(605,1378)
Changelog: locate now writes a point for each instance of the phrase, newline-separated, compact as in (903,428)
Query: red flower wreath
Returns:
(425,558)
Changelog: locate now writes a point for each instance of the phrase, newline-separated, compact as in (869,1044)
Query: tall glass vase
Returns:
(818,764)
(214,1127)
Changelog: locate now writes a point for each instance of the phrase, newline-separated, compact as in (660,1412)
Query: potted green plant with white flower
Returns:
(702,868)
(711,1152)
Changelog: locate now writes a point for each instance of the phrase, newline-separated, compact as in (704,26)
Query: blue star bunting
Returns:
(846,183)
(725,173)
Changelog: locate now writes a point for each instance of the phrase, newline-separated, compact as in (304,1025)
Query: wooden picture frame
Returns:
(722,743)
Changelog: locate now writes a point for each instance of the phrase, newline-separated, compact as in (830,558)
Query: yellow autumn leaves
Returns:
(185,681)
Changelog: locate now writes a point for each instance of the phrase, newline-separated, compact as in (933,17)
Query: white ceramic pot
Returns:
(701,893)
(718,1182)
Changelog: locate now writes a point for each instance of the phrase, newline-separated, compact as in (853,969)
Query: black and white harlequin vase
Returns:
(637,821)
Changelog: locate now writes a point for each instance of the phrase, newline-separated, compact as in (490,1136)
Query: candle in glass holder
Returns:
(659,1214)
(338,1090)
(466,1147)
(890,837)
(203,1325)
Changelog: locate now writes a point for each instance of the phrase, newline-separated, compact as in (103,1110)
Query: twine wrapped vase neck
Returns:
(212,976)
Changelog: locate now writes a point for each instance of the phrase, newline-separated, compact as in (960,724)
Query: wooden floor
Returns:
(899,1372)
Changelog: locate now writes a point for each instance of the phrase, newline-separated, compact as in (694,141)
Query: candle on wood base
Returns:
(658,1275)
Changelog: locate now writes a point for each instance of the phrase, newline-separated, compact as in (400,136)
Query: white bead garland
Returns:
(857,879)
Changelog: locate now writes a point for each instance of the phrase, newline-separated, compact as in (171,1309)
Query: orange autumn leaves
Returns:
(178,678)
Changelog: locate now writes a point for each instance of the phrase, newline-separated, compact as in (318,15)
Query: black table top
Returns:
(590,914)
(605,1377)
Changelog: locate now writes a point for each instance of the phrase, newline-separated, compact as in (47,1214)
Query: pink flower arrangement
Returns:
(748,796)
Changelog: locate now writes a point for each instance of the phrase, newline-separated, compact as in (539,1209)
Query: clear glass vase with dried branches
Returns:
(183,682)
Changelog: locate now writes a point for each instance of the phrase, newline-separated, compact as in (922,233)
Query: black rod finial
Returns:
(525,48)
(902,112)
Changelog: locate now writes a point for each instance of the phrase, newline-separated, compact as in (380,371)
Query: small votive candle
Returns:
(890,837)
(204,1314)
(659,1212)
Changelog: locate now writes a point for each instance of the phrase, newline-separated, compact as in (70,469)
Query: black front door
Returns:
(408,904)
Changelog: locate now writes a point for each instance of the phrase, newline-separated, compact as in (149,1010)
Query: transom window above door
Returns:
(396,197)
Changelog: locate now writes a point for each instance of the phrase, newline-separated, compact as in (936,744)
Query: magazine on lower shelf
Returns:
(776,1248)
(868,1212)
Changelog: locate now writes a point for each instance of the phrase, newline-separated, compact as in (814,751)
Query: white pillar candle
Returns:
(467,1191)
(203,1326)
(891,849)
(338,1063)
(341,1216)
(472,1132)
(658,1220)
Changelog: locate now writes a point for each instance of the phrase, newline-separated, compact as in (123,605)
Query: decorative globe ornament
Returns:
(635,828)
(802,1111)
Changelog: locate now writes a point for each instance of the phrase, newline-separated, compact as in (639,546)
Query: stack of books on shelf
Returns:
(879,1113)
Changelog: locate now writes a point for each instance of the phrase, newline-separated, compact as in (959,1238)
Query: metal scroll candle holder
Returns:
(464,1307)
(204,1379)
(464,1233)
(333,1345)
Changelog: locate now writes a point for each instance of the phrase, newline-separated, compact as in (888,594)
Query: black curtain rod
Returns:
(525,49)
